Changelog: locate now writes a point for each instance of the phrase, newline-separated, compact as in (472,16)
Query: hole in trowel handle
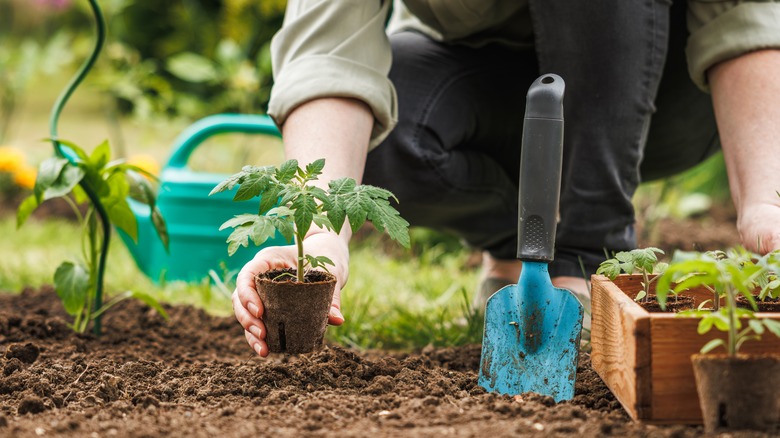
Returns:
(548,80)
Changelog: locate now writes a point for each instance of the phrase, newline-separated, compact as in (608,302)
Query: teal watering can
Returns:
(193,217)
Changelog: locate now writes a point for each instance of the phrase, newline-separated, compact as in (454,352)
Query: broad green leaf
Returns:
(624,256)
(341,186)
(238,220)
(228,183)
(192,67)
(69,178)
(609,268)
(269,199)
(322,221)
(287,171)
(705,325)
(252,185)
(73,147)
(709,346)
(280,211)
(772,325)
(25,209)
(72,284)
(285,227)
(141,189)
(337,213)
(121,215)
(386,218)
(640,295)
(100,156)
(628,267)
(356,206)
(239,237)
(262,230)
(314,169)
(48,172)
(305,207)
(756,326)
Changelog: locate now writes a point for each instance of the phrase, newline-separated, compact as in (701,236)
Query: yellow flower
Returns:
(145,162)
(25,177)
(11,159)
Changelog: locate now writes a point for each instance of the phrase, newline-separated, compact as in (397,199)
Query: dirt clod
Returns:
(31,405)
(27,353)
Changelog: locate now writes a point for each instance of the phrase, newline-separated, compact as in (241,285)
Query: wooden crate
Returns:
(644,358)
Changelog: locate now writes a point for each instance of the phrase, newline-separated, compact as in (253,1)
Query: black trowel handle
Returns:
(540,169)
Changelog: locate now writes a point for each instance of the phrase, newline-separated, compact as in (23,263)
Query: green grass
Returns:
(395,299)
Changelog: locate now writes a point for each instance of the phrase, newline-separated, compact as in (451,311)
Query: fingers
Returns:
(334,314)
(260,347)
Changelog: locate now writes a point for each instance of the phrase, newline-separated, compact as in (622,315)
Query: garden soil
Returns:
(193,375)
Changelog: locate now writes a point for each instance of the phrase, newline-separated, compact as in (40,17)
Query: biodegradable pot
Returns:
(738,392)
(295,314)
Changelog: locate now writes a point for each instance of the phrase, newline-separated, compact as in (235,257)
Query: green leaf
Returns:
(192,67)
(756,326)
(72,284)
(252,185)
(772,325)
(48,172)
(69,178)
(121,215)
(322,221)
(238,238)
(269,199)
(100,156)
(285,227)
(341,186)
(609,268)
(73,147)
(386,218)
(305,207)
(151,302)
(25,209)
(141,189)
(261,230)
(238,220)
(319,262)
(705,325)
(286,171)
(709,346)
(314,169)
(640,295)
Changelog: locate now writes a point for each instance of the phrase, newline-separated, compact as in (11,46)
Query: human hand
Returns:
(759,227)
(247,306)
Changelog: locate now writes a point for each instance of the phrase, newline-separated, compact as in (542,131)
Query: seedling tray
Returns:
(644,358)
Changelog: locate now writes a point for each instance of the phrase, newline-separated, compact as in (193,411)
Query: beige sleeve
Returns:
(334,48)
(724,29)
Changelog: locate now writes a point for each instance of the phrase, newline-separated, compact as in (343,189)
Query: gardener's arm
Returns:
(746,97)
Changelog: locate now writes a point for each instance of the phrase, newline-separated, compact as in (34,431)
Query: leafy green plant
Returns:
(77,283)
(290,205)
(641,260)
(732,273)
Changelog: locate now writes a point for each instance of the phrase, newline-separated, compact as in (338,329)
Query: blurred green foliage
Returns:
(177,58)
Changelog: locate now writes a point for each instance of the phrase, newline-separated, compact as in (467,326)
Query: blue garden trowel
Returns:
(532,329)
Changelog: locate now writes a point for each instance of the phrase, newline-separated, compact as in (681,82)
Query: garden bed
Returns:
(194,376)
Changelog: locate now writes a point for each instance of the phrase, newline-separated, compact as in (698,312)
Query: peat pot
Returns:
(295,314)
(645,358)
(738,392)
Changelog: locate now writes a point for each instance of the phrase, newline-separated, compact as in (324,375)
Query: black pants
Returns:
(453,158)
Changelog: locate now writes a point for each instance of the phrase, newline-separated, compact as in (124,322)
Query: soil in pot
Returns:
(767,305)
(738,393)
(295,314)
(673,304)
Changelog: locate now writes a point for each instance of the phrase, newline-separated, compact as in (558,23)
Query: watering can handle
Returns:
(209,126)
(540,169)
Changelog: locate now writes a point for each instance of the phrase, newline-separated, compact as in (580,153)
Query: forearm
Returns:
(745,93)
(336,129)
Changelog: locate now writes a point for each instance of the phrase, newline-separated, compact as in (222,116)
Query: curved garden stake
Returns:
(100,37)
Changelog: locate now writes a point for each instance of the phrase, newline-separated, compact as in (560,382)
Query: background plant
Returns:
(290,205)
(732,273)
(77,283)
(641,260)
